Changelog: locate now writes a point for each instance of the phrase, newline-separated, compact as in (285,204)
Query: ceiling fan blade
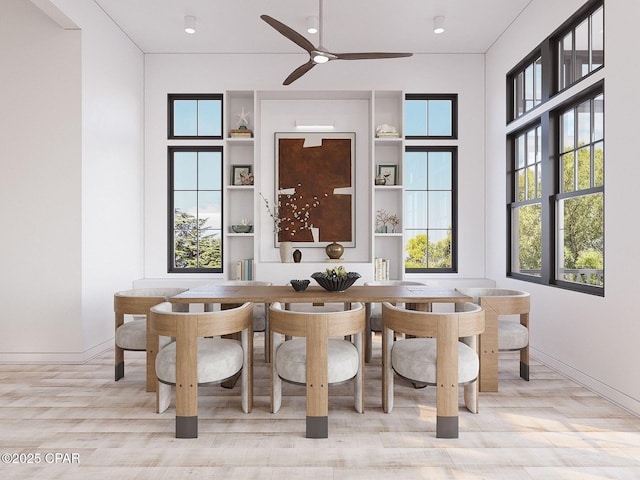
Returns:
(289,32)
(370,55)
(298,72)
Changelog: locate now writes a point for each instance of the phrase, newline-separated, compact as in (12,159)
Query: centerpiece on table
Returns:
(335,279)
(290,216)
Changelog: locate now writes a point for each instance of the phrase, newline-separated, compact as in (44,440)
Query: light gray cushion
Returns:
(415,359)
(291,360)
(512,335)
(132,335)
(218,359)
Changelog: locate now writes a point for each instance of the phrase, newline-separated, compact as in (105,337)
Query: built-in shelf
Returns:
(234,234)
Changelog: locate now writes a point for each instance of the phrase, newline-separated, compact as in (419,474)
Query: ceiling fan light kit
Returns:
(319,55)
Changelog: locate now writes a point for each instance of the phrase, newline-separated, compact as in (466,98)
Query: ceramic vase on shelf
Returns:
(286,255)
(334,250)
(297,256)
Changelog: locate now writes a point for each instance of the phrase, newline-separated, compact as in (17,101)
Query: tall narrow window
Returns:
(195,116)
(526,207)
(580,202)
(195,209)
(430,209)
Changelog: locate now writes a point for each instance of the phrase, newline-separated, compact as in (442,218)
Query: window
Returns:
(430,116)
(555,177)
(580,202)
(581,49)
(195,209)
(430,209)
(526,85)
(526,210)
(195,116)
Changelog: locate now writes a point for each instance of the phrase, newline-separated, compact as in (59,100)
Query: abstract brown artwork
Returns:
(315,187)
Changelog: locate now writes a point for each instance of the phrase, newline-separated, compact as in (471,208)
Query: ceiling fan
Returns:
(319,54)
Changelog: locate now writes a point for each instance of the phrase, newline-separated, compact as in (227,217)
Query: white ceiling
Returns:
(234,26)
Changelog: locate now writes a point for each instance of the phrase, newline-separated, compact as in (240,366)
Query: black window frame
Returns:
(171,268)
(172,97)
(453,97)
(548,118)
(454,208)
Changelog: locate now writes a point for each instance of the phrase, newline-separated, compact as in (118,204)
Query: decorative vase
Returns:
(380,180)
(297,256)
(334,250)
(285,252)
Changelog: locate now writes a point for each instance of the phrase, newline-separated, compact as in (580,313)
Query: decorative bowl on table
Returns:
(300,285)
(335,279)
(242,228)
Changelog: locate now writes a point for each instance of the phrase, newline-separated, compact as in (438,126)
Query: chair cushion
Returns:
(512,335)
(218,359)
(291,360)
(132,335)
(415,359)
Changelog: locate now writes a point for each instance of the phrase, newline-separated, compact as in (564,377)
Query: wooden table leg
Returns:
(447,378)
(317,379)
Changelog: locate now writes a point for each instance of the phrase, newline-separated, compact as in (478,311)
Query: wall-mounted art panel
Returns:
(315,188)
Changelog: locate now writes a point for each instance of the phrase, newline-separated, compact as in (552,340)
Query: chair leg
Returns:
(246,385)
(524,353)
(163,397)
(119,363)
(471,390)
(119,353)
(276,381)
(387,371)
(358,388)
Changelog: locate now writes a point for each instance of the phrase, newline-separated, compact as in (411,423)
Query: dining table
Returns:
(317,399)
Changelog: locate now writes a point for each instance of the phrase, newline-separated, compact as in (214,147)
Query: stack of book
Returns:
(241,133)
(381,269)
(244,269)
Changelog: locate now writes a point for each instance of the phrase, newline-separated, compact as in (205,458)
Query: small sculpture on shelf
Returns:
(246,178)
(243,130)
(386,131)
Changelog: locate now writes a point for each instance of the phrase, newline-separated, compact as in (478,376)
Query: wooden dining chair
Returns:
(199,356)
(133,334)
(316,356)
(500,334)
(433,355)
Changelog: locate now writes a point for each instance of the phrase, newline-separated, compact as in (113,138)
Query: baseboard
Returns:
(69,358)
(621,399)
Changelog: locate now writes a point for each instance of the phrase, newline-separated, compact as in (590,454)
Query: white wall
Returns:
(592,339)
(71,188)
(40,190)
(462,74)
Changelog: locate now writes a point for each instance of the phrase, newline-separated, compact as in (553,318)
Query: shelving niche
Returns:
(244,202)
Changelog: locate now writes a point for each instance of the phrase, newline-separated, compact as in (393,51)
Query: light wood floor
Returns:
(546,429)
